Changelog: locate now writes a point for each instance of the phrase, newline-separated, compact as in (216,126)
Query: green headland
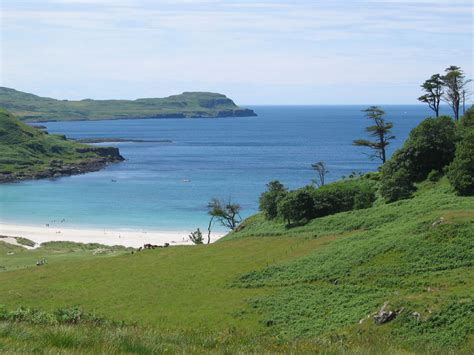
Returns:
(29,107)
(29,153)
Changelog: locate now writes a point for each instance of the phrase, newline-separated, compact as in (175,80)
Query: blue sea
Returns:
(166,186)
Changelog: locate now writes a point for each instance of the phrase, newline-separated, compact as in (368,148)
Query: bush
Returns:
(396,185)
(296,206)
(434,175)
(467,121)
(430,146)
(268,202)
(196,237)
(342,196)
(461,170)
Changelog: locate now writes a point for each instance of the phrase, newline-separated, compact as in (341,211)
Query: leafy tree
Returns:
(268,202)
(196,237)
(396,185)
(467,120)
(456,88)
(342,196)
(321,172)
(430,145)
(461,170)
(381,130)
(296,206)
(434,92)
(226,212)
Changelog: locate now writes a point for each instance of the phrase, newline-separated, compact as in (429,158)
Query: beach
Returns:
(108,236)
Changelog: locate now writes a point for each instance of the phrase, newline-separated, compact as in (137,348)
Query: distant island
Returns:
(29,153)
(33,108)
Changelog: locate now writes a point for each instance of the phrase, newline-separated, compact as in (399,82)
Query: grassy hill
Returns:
(29,107)
(267,288)
(26,152)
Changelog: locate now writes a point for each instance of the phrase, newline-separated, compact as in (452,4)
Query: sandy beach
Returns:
(129,238)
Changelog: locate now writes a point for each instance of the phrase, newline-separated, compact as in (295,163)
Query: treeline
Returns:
(439,146)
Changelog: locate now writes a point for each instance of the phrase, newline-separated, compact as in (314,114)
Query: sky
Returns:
(254,51)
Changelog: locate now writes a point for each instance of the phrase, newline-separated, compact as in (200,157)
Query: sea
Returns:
(166,184)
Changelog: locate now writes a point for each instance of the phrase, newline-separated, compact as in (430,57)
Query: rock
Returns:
(383,316)
(441,220)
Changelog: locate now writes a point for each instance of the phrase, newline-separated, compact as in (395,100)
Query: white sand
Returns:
(129,238)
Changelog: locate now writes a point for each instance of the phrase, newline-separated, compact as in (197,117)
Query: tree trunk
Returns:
(209,230)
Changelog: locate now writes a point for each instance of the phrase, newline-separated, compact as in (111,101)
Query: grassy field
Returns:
(269,287)
(29,107)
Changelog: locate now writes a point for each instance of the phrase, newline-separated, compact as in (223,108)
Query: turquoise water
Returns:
(167,185)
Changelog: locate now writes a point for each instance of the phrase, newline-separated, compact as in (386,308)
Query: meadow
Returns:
(268,288)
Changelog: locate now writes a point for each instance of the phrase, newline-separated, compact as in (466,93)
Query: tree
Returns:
(296,206)
(321,172)
(395,184)
(456,88)
(381,131)
(461,170)
(226,212)
(196,237)
(269,199)
(434,92)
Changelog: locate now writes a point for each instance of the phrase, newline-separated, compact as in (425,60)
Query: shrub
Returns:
(342,196)
(461,170)
(268,202)
(296,206)
(430,146)
(196,237)
(396,185)
(467,120)
(434,175)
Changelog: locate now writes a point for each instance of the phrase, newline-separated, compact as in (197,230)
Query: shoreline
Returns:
(108,236)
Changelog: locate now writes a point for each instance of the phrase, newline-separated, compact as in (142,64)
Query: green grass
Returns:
(13,257)
(30,107)
(26,151)
(268,287)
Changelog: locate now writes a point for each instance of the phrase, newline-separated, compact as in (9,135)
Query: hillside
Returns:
(28,153)
(268,287)
(29,107)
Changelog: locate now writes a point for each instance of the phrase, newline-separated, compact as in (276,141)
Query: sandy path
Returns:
(129,238)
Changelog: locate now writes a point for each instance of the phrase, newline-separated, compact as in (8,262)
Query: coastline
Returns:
(107,236)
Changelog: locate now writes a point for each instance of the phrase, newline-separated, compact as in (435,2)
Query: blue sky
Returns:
(256,52)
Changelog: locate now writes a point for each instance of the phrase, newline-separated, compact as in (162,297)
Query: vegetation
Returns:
(456,88)
(29,107)
(452,87)
(381,131)
(226,212)
(430,146)
(268,202)
(434,92)
(196,237)
(321,172)
(27,152)
(461,170)
(296,207)
(269,288)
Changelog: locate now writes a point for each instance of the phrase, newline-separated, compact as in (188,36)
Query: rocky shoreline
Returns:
(58,168)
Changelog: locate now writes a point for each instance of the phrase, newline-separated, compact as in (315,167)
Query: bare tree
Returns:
(321,172)
(226,212)
(456,88)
